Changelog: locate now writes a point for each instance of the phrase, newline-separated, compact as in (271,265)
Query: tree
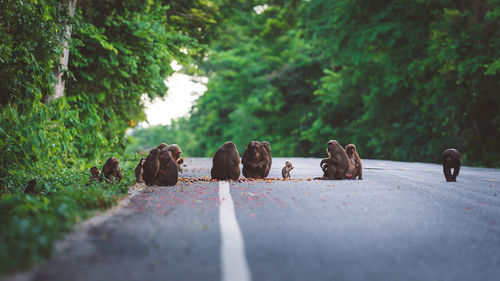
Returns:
(63,60)
(118,51)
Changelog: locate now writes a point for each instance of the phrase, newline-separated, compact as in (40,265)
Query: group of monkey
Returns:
(346,164)
(163,163)
(256,160)
(161,167)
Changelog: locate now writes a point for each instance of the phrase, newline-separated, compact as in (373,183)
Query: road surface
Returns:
(402,222)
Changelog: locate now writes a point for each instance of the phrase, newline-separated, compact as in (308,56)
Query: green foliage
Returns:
(414,75)
(402,80)
(32,134)
(35,222)
(121,51)
(31,37)
(259,86)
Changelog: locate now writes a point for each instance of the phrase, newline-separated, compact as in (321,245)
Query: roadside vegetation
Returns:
(31,223)
(118,51)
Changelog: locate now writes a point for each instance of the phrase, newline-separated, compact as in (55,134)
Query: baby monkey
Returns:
(139,170)
(285,172)
(95,175)
(355,166)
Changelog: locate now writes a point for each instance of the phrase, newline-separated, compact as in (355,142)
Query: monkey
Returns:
(168,173)
(334,167)
(451,159)
(267,147)
(139,171)
(250,160)
(355,166)
(31,187)
(151,166)
(95,175)
(176,151)
(111,169)
(161,146)
(256,160)
(226,163)
(285,172)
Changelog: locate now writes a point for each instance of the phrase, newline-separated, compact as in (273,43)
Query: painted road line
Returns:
(233,258)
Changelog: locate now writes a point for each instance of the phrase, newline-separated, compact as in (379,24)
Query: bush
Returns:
(31,223)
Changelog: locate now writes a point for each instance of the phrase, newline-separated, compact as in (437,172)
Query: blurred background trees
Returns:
(403,80)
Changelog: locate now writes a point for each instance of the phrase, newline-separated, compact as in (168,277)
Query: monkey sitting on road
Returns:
(285,172)
(151,166)
(355,166)
(257,159)
(168,173)
(334,167)
(226,163)
(139,170)
(111,169)
(176,151)
(451,159)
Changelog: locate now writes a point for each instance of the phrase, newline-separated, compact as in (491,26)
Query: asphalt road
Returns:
(402,222)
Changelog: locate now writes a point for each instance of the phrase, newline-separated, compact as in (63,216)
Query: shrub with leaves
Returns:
(31,223)
(118,52)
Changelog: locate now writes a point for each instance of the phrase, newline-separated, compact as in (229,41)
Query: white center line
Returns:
(233,259)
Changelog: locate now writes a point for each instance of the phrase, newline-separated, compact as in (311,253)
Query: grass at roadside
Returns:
(31,223)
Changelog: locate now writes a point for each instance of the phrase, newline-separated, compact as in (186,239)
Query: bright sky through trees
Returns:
(183,90)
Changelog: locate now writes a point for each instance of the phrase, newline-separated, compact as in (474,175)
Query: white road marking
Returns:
(233,259)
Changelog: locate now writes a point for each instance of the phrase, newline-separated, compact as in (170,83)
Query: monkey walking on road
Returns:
(451,159)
